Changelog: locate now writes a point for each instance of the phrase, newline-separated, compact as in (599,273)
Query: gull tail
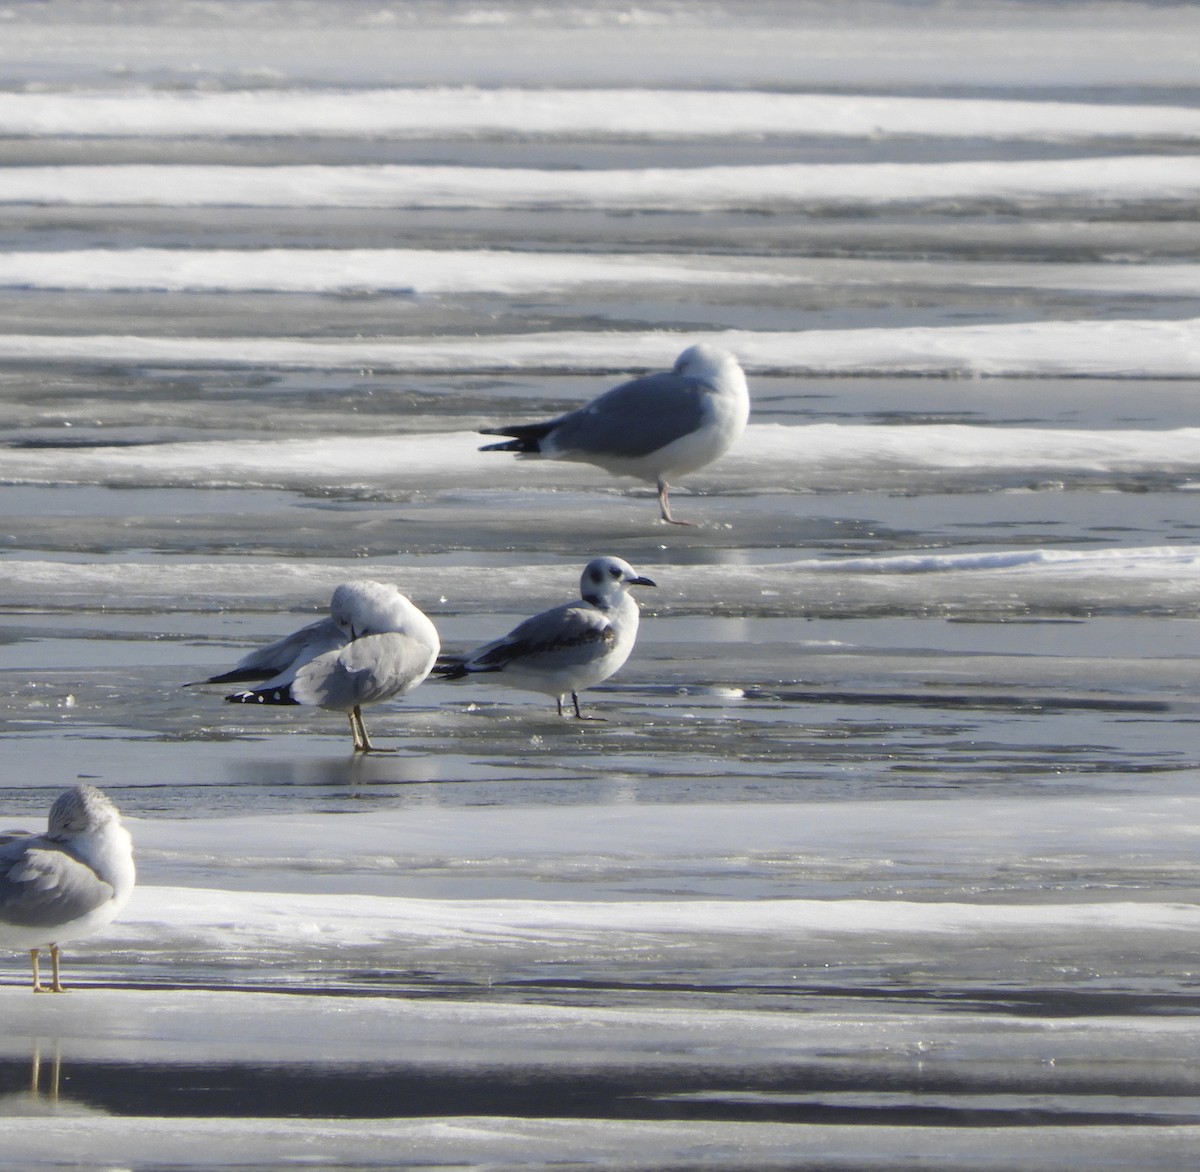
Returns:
(526,437)
(281,695)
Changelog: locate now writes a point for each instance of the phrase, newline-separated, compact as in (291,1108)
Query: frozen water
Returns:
(767,188)
(472,112)
(884,852)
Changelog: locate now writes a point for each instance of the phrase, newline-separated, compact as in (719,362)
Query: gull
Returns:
(654,428)
(67,882)
(568,648)
(375,645)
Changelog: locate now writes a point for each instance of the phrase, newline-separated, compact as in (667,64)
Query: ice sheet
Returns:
(440,111)
(818,457)
(766,188)
(884,852)
(1113,349)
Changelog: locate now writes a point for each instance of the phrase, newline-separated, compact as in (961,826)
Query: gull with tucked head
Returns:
(564,650)
(374,645)
(654,428)
(66,883)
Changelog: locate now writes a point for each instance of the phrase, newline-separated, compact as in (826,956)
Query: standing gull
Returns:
(566,649)
(67,882)
(375,645)
(655,427)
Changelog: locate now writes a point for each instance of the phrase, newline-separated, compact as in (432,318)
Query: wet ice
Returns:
(892,819)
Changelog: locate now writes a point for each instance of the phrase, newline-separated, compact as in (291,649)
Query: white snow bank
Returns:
(424,272)
(273,923)
(1128,562)
(767,457)
(466,111)
(1127,348)
(739,834)
(411,271)
(1111,179)
(788,588)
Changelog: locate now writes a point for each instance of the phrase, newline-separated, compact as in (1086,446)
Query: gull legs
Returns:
(578,712)
(55,985)
(358,731)
(664,504)
(362,743)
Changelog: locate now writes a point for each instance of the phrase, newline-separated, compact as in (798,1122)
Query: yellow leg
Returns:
(664,504)
(38,987)
(362,743)
(358,730)
(55,984)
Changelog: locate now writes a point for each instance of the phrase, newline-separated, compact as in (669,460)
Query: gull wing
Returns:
(42,885)
(369,669)
(562,637)
(635,418)
(281,658)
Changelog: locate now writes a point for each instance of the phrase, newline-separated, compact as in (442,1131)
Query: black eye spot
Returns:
(614,572)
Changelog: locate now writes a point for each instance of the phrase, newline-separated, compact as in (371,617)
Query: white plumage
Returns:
(375,645)
(564,650)
(654,428)
(66,883)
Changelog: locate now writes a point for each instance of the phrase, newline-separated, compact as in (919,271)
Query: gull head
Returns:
(605,579)
(379,608)
(81,810)
(368,608)
(707,363)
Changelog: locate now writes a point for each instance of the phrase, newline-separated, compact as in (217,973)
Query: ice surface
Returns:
(473,112)
(768,457)
(694,1047)
(765,188)
(444,271)
(1077,578)
(883,854)
(1129,349)
(864,44)
(519,1143)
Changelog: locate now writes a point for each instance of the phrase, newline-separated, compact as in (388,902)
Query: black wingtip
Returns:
(523,437)
(244,676)
(512,446)
(449,669)
(263,696)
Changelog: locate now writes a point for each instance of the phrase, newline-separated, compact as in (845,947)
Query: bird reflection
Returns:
(361,769)
(35,1072)
(44,1095)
